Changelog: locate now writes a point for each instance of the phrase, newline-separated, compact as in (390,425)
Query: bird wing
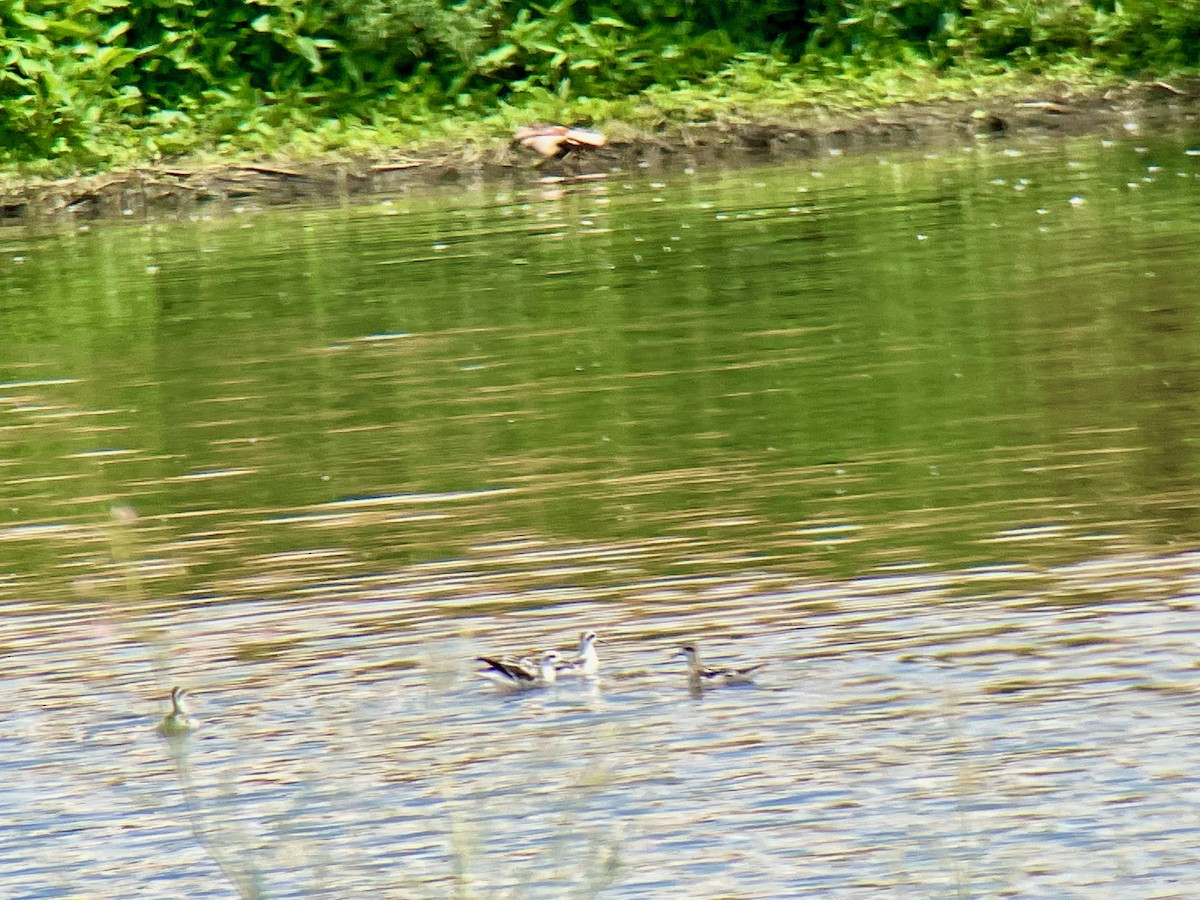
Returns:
(508,670)
(748,669)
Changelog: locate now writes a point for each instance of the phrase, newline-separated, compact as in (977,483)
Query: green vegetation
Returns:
(95,82)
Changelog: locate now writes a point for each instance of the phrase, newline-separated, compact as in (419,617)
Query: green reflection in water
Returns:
(955,360)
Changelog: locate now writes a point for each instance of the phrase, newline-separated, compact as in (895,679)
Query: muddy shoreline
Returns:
(185,188)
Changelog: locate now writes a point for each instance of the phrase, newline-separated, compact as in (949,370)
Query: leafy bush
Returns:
(605,56)
(870,32)
(1122,35)
(62,75)
(1137,34)
(1024,29)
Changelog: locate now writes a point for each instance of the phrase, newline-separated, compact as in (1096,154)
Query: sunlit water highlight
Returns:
(919,432)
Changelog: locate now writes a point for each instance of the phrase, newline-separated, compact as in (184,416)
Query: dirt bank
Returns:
(182,187)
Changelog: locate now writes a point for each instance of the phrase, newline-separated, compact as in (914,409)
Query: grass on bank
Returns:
(753,88)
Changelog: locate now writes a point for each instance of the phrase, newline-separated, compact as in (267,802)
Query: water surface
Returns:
(920,430)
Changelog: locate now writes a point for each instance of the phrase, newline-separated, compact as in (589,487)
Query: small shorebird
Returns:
(556,141)
(586,662)
(513,676)
(177,722)
(700,675)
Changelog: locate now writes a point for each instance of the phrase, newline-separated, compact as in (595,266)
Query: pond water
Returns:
(920,431)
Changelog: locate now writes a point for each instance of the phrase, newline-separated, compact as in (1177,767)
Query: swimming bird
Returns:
(512,676)
(178,721)
(586,662)
(700,675)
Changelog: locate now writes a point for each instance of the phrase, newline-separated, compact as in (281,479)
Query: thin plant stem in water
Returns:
(244,876)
